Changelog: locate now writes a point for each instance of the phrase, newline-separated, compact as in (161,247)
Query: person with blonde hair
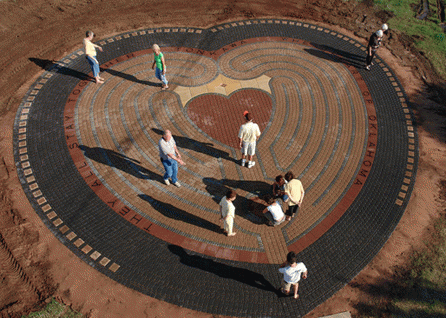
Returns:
(90,54)
(159,65)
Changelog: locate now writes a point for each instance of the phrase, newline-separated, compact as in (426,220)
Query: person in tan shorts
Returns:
(292,273)
(248,135)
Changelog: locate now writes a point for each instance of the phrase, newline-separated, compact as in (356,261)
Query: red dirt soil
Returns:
(34,265)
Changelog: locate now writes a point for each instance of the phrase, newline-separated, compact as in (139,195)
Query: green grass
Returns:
(54,310)
(428,35)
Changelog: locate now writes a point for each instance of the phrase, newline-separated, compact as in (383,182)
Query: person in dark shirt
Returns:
(372,47)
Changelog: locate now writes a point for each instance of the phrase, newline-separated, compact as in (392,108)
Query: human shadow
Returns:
(60,69)
(242,275)
(129,77)
(175,213)
(337,56)
(119,161)
(248,208)
(197,146)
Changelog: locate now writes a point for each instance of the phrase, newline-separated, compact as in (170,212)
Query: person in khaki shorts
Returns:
(248,135)
(292,273)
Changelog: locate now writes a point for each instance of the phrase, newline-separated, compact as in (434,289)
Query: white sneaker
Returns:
(243,162)
(177,184)
(251,164)
(166,181)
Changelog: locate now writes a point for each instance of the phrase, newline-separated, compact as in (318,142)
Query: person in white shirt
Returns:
(227,211)
(248,134)
(292,273)
(273,212)
(170,158)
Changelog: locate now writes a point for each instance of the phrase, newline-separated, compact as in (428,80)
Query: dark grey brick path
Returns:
(186,278)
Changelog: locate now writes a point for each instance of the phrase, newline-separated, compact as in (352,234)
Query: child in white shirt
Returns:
(292,272)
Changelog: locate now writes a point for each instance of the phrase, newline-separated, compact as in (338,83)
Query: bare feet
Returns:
(99,82)
(165,87)
(296,296)
(284,291)
(232,234)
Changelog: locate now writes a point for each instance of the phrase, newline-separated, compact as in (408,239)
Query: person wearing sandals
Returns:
(295,191)
(90,52)
(292,273)
(159,65)
(273,212)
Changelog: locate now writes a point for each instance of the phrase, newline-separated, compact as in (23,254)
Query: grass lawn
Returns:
(428,35)
(55,310)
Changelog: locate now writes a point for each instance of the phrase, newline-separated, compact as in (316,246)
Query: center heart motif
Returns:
(221,117)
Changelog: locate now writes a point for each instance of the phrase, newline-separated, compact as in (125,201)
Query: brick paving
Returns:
(87,158)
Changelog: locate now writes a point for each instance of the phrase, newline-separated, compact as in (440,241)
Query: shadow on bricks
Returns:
(245,206)
(175,213)
(337,56)
(50,65)
(241,275)
(129,77)
(197,146)
(119,161)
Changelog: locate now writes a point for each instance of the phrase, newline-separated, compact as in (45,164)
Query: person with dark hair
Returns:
(273,212)
(373,46)
(278,188)
(295,192)
(227,211)
(90,54)
(248,134)
(292,273)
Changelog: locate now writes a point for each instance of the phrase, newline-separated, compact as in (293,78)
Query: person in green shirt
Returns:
(159,65)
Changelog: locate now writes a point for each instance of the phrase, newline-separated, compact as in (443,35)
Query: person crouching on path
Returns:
(292,273)
(227,211)
(372,47)
(248,135)
(273,212)
(159,64)
(295,192)
(170,158)
(90,52)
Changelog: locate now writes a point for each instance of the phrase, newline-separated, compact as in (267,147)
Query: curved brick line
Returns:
(195,174)
(168,51)
(338,137)
(344,163)
(307,141)
(336,211)
(287,112)
(299,121)
(233,151)
(220,248)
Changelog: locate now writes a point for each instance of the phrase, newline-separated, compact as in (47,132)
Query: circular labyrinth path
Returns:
(88,159)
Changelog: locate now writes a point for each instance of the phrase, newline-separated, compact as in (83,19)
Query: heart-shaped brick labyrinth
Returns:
(221,117)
